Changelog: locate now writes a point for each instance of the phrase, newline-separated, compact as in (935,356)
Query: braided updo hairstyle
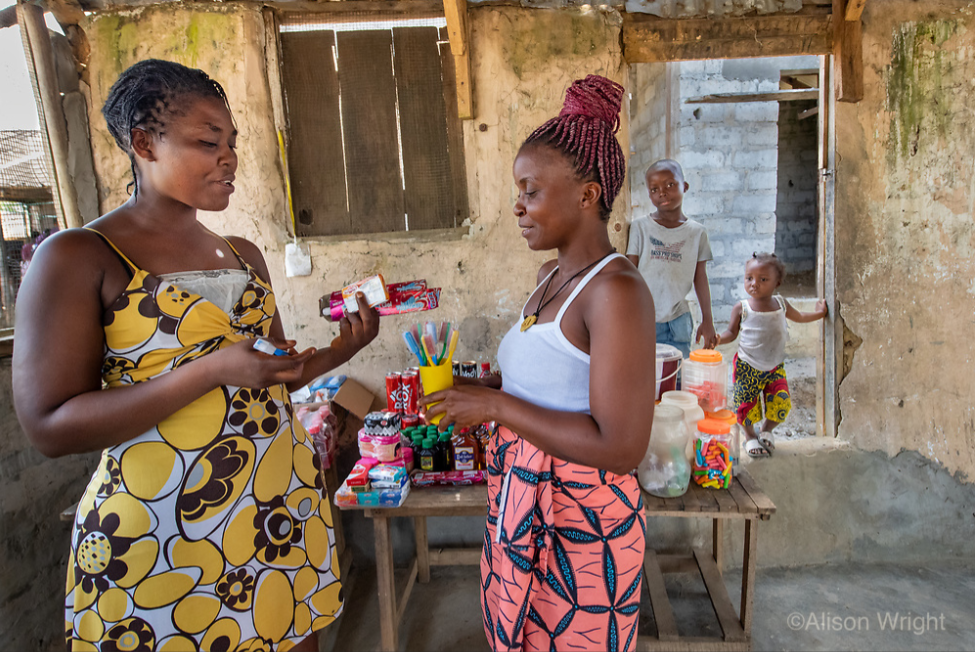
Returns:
(146,94)
(585,132)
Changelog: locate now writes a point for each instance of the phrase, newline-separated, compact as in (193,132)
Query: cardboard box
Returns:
(356,399)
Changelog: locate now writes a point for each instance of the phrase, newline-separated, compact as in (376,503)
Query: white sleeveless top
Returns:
(541,366)
(763,336)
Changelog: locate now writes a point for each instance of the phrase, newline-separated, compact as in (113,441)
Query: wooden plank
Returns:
(745,504)
(385,580)
(455,557)
(748,575)
(422,548)
(653,504)
(369,121)
(692,499)
(854,9)
(723,609)
(404,596)
(272,54)
(707,499)
(847,56)
(677,563)
(43,77)
(455,132)
(786,95)
(663,613)
(353,10)
(648,39)
(808,113)
(795,82)
(26,195)
(429,198)
(726,504)
(762,502)
(315,160)
(799,72)
(455,11)
(717,543)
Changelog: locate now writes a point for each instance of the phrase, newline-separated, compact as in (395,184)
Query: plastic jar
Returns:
(664,471)
(669,361)
(692,414)
(706,376)
(728,416)
(713,462)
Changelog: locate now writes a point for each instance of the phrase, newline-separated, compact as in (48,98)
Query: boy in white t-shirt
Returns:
(671,253)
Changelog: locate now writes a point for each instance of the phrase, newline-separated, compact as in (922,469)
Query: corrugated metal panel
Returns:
(707,8)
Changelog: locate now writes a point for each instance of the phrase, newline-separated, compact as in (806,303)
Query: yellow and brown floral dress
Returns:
(211,531)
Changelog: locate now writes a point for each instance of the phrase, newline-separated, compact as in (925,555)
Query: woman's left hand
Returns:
(465,406)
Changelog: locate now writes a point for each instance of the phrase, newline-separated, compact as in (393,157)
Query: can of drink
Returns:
(469,369)
(485,369)
(456,368)
(409,391)
(394,382)
(411,420)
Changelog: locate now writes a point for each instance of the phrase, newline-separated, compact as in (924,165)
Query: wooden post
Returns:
(455,11)
(40,65)
(854,9)
(847,53)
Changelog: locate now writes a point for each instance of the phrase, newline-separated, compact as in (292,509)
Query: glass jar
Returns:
(728,416)
(706,376)
(713,463)
(664,471)
(693,413)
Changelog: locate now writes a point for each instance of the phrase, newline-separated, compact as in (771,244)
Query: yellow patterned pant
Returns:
(752,385)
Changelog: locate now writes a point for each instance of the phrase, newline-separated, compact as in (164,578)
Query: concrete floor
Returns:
(832,607)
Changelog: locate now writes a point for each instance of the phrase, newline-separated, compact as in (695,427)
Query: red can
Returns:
(410,391)
(411,420)
(485,369)
(394,384)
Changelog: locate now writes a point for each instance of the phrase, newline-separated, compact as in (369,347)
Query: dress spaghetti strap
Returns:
(132,268)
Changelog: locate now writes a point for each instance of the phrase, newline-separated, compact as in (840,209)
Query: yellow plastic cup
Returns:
(435,379)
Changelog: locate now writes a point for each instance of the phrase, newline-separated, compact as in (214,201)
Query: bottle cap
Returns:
(713,427)
(706,355)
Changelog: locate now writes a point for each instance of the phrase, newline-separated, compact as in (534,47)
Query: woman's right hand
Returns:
(241,365)
(356,329)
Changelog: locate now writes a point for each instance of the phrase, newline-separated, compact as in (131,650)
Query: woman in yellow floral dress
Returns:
(205,526)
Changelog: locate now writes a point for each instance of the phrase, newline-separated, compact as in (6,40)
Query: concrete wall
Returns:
(905,239)
(796,217)
(33,542)
(649,108)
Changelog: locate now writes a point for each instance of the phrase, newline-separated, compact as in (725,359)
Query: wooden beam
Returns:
(809,113)
(26,195)
(648,39)
(8,16)
(340,10)
(847,55)
(40,66)
(854,9)
(455,11)
(791,94)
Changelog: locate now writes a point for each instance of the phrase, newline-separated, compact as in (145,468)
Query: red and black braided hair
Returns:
(585,133)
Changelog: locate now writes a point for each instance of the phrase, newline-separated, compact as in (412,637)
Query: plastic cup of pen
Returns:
(434,379)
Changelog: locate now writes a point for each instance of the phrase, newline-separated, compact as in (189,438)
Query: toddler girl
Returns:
(759,363)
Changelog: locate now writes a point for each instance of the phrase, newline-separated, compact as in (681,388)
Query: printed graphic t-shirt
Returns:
(668,259)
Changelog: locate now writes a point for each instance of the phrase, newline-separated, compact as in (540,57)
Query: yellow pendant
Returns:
(528,323)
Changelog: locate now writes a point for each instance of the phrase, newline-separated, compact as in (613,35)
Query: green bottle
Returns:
(428,456)
(443,448)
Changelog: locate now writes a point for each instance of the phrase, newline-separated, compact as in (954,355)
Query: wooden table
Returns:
(743,501)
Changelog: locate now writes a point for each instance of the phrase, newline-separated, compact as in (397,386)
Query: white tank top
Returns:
(763,336)
(541,366)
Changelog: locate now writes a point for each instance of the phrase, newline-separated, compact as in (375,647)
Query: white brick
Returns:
(721,137)
(701,205)
(764,225)
(762,181)
(763,137)
(756,159)
(724,225)
(706,159)
(721,181)
(757,112)
(753,203)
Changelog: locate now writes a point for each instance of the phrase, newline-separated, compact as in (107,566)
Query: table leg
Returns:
(422,549)
(717,543)
(748,574)
(387,585)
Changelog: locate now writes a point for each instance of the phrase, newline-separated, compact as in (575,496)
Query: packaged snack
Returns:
(450,478)
(394,497)
(345,497)
(374,288)
(382,423)
(384,474)
(359,476)
(412,296)
(383,448)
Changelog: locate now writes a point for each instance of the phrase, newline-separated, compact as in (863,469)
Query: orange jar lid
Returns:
(713,427)
(726,416)
(706,355)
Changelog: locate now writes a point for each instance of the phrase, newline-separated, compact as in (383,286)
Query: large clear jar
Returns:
(713,461)
(664,471)
(693,413)
(728,416)
(705,375)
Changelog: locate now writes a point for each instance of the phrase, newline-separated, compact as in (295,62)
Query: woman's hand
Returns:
(241,365)
(356,329)
(465,406)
